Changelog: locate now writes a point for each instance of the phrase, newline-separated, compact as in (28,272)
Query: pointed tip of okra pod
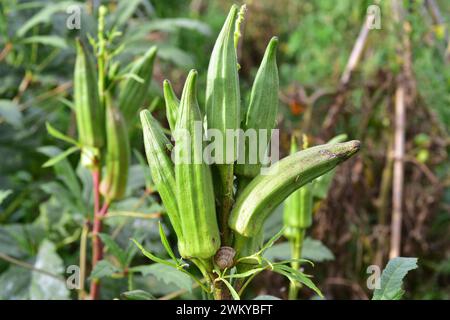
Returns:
(167,88)
(345,150)
(152,51)
(272,46)
(191,80)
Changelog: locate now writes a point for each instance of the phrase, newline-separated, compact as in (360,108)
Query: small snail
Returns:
(224,257)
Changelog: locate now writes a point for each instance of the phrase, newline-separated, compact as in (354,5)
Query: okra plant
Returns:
(218,195)
(103,122)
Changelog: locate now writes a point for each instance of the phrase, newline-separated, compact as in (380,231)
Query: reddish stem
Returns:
(97,246)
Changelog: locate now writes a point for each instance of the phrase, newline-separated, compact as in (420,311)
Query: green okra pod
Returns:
(265,192)
(133,92)
(89,112)
(222,90)
(114,184)
(195,190)
(157,149)
(172,104)
(261,113)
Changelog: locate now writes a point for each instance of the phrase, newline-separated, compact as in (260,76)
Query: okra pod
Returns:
(222,90)
(265,192)
(172,104)
(114,184)
(261,113)
(195,190)
(157,149)
(133,93)
(89,112)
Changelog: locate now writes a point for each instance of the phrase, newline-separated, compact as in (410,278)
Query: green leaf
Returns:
(152,256)
(10,112)
(64,171)
(43,286)
(313,250)
(167,274)
(233,292)
(245,274)
(295,275)
(392,278)
(102,269)
(114,249)
(136,295)
(54,160)
(316,251)
(15,284)
(4,194)
(124,12)
(44,15)
(52,40)
(272,240)
(165,243)
(59,135)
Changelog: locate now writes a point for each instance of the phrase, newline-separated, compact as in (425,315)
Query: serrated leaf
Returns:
(392,278)
(167,274)
(102,269)
(114,248)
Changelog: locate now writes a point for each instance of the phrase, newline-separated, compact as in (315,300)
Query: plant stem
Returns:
(296,249)
(226,174)
(83,247)
(97,246)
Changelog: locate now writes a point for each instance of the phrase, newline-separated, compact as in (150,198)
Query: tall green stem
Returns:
(296,253)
